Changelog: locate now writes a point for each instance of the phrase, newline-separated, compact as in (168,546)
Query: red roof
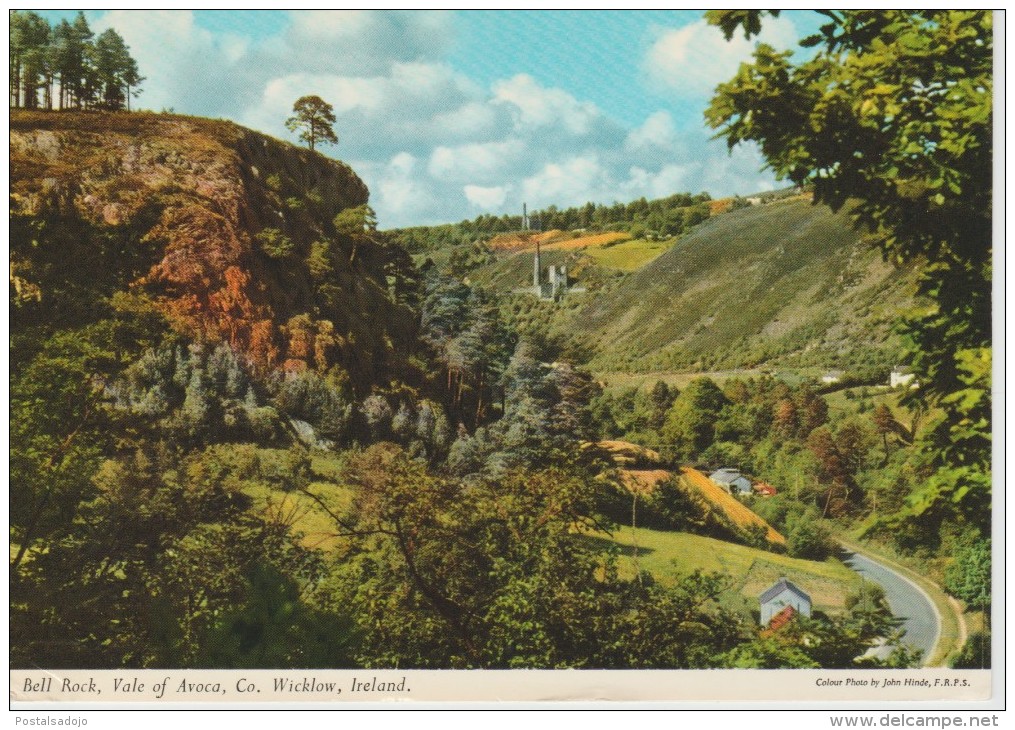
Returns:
(765,489)
(782,618)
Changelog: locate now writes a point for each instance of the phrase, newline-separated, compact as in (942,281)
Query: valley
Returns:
(240,405)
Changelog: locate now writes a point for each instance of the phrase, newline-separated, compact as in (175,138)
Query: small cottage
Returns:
(784,594)
(732,481)
(832,377)
(901,376)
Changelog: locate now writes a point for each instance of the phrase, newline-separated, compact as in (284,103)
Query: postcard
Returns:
(502,357)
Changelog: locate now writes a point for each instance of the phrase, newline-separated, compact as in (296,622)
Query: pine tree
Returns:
(313,119)
(89,74)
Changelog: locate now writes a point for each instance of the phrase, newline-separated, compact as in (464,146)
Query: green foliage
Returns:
(661,218)
(769,653)
(323,403)
(546,414)
(319,261)
(806,537)
(272,627)
(503,574)
(957,450)
(151,562)
(675,508)
(976,652)
(195,394)
(469,340)
(356,221)
(729,21)
(466,258)
(689,428)
(891,117)
(89,73)
(314,119)
(274,243)
(969,576)
(115,70)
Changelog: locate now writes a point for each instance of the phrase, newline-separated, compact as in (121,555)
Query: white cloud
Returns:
(486,198)
(538,106)
(657,131)
(669,179)
(572,181)
(475,162)
(431,144)
(473,119)
(183,64)
(694,59)
(399,190)
(360,42)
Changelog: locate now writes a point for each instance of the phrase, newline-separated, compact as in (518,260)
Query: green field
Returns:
(628,255)
(663,554)
(303,513)
(667,554)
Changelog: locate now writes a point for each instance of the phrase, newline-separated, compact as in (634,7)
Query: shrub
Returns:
(808,538)
(275,244)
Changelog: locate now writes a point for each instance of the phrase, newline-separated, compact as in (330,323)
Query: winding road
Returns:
(908,602)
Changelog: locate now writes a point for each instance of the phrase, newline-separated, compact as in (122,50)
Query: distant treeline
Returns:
(67,67)
(663,217)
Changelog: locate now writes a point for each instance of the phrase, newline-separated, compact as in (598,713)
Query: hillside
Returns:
(669,554)
(781,285)
(784,283)
(642,472)
(230,232)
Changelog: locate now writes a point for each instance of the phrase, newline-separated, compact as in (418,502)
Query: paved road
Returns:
(909,603)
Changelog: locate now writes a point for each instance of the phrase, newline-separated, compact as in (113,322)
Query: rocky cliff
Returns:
(230,232)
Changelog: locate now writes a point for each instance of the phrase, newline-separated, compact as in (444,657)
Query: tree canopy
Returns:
(890,116)
(313,118)
(66,67)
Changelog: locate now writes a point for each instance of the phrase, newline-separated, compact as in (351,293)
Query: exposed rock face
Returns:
(197,196)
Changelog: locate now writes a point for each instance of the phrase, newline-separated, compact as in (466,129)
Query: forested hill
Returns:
(233,235)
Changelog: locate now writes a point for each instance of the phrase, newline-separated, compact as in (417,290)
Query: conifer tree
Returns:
(90,72)
(313,119)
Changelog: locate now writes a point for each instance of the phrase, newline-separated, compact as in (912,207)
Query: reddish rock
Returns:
(198,192)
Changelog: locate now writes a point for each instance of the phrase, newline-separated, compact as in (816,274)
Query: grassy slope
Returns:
(664,554)
(696,483)
(780,286)
(782,281)
(305,514)
(668,554)
(628,255)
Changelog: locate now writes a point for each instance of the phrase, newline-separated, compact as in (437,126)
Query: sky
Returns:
(450,114)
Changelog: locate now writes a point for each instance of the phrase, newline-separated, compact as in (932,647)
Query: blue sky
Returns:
(447,115)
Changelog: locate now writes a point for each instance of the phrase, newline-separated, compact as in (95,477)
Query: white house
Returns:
(901,376)
(779,596)
(832,376)
(732,481)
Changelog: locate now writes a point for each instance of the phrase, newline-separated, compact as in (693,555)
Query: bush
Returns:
(975,653)
(968,578)
(807,538)
(275,244)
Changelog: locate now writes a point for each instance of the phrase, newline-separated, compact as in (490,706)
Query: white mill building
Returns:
(555,284)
